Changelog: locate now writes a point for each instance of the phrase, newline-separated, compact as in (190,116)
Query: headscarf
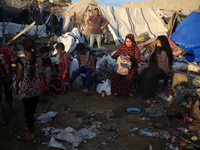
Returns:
(166,47)
(123,49)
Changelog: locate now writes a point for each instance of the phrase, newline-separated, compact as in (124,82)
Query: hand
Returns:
(17,90)
(90,27)
(102,28)
(128,56)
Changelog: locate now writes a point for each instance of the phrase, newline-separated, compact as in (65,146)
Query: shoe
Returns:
(86,91)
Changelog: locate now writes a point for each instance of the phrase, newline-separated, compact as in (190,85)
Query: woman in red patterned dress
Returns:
(120,84)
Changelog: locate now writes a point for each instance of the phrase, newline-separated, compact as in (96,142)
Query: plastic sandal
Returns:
(28,137)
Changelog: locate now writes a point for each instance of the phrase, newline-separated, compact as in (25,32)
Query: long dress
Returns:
(121,84)
(149,74)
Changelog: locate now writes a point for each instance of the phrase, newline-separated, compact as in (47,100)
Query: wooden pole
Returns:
(14,38)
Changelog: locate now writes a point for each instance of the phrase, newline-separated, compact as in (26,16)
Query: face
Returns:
(128,42)
(96,12)
(59,50)
(158,42)
(81,52)
(45,55)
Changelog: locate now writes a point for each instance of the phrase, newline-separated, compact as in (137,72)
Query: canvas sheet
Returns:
(132,20)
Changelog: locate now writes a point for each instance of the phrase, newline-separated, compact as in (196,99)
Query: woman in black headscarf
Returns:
(158,67)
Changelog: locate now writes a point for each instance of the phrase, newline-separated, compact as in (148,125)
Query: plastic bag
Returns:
(105,86)
(73,66)
(77,83)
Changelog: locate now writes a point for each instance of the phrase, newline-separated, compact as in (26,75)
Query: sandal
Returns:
(28,137)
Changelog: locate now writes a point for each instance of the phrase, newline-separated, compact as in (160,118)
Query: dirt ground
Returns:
(78,110)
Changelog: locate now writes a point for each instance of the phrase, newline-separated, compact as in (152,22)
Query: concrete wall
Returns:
(166,4)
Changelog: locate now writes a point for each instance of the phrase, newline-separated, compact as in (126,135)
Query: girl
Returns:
(86,65)
(30,73)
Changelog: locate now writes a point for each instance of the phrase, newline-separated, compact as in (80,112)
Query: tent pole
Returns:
(82,17)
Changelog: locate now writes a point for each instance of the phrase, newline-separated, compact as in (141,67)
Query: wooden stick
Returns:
(189,142)
(190,91)
(19,34)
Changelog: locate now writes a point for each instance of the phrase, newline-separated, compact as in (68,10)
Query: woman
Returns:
(121,85)
(158,67)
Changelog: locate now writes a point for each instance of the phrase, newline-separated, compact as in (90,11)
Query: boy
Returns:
(63,67)
(7,57)
(47,65)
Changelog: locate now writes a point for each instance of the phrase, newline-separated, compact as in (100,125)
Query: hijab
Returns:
(166,47)
(123,49)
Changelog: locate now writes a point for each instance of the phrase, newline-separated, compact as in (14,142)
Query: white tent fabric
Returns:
(80,8)
(16,3)
(164,13)
(132,20)
(122,20)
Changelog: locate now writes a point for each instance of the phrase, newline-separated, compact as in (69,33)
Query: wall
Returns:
(166,4)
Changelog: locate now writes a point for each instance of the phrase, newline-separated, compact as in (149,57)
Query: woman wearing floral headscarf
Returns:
(120,84)
(158,67)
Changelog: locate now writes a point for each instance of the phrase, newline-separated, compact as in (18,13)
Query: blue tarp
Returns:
(187,36)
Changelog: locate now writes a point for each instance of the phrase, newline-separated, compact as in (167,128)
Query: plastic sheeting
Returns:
(14,28)
(187,36)
(70,39)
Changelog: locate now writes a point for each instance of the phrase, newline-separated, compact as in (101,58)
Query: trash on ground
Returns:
(46,117)
(156,111)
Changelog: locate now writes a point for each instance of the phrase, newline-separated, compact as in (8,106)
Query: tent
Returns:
(187,36)
(129,20)
(132,20)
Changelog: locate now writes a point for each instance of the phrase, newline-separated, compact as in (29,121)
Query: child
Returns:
(63,73)
(86,65)
(1,107)
(30,72)
(47,64)
(7,57)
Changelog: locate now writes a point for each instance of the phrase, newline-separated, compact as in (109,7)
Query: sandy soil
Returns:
(78,110)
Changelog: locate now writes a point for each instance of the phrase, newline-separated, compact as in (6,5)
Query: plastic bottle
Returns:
(103,93)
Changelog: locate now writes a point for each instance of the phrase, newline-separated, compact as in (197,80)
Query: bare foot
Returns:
(86,91)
